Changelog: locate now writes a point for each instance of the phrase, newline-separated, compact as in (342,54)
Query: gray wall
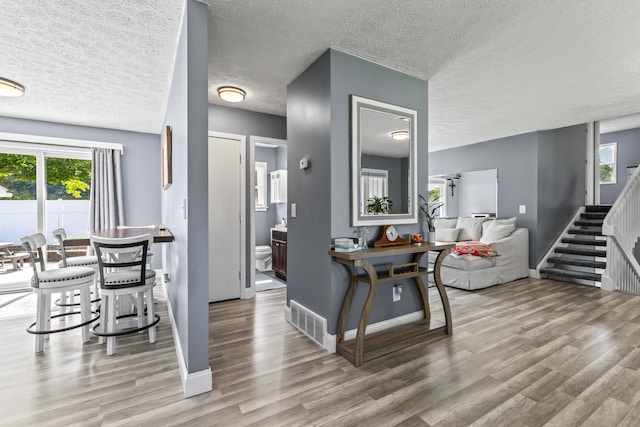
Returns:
(281,163)
(186,259)
(140,163)
(477,192)
(561,182)
(628,155)
(318,120)
(247,123)
(551,200)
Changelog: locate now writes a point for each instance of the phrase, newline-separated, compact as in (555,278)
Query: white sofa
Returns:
(471,272)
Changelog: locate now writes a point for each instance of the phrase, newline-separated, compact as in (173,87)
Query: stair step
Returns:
(586,242)
(585,232)
(557,272)
(593,215)
(597,208)
(576,261)
(585,252)
(589,222)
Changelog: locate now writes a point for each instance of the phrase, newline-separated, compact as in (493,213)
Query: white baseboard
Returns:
(192,383)
(385,324)
(534,274)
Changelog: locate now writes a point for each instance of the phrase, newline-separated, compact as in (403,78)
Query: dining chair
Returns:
(149,253)
(68,300)
(123,275)
(60,280)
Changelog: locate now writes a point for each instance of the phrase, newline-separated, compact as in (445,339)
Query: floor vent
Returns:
(308,322)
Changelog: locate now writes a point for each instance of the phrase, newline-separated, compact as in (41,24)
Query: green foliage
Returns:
(379,205)
(606,173)
(430,207)
(66,178)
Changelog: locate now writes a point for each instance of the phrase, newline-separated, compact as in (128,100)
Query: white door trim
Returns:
(242,140)
(253,140)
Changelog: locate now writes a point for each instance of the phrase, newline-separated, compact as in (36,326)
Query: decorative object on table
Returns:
(416,238)
(403,269)
(346,244)
(389,237)
(362,237)
(379,205)
(429,209)
(166,158)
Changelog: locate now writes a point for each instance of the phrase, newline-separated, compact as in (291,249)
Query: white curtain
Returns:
(106,190)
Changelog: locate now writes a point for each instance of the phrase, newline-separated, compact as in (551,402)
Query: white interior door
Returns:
(226,196)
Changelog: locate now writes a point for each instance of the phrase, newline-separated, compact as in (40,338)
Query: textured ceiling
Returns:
(103,63)
(495,68)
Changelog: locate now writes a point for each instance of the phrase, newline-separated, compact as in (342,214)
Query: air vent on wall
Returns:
(308,322)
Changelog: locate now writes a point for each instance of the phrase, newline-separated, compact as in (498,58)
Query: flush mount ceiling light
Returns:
(231,94)
(10,88)
(400,135)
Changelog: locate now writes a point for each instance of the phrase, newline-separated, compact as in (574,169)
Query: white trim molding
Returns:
(192,383)
(51,143)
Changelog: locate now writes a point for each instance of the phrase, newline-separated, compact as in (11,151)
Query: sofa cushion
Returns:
(469,262)
(447,234)
(496,231)
(445,223)
(486,224)
(470,228)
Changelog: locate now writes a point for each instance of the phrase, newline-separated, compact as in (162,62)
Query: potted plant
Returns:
(379,205)
(429,208)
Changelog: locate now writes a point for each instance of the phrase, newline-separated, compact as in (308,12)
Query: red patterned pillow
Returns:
(473,247)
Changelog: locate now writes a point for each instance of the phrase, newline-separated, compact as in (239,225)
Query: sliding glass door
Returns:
(41,189)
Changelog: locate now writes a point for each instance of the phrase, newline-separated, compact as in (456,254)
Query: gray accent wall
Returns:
(551,200)
(266,219)
(318,123)
(187,259)
(140,163)
(628,154)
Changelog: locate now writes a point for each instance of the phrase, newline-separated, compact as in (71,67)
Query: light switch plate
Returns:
(293,210)
(523,209)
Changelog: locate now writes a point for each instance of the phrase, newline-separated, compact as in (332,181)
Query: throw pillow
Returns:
(447,234)
(498,221)
(470,228)
(496,232)
(445,222)
(474,248)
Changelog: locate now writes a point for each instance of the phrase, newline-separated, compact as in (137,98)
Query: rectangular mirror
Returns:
(383,163)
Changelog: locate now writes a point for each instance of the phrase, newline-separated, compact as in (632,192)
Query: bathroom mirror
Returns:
(383,163)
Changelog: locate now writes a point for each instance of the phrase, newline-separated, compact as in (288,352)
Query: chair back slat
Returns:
(33,243)
(122,253)
(60,234)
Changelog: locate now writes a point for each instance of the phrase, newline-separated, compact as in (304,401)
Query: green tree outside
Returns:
(67,179)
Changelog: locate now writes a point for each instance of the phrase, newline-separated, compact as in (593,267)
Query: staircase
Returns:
(579,255)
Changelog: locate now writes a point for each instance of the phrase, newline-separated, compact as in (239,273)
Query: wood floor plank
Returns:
(529,353)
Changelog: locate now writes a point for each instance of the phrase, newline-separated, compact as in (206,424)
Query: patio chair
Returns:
(46,282)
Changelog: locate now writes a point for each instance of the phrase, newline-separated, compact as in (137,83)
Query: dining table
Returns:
(160,235)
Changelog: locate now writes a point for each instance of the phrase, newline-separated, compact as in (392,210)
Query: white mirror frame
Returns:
(357,103)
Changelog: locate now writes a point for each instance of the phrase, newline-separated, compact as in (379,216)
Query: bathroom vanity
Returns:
(279,252)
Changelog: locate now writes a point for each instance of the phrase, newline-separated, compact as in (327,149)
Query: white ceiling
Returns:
(495,68)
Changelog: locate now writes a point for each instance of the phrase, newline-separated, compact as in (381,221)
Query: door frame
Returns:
(242,141)
(253,140)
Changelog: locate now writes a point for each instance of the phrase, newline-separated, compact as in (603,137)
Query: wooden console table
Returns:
(400,336)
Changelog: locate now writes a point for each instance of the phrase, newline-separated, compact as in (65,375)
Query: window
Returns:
(607,171)
(260,191)
(437,191)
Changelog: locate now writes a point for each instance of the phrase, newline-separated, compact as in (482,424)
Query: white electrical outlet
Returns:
(397,292)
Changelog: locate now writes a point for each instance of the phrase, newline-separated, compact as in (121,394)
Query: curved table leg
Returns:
(443,294)
(424,296)
(366,310)
(344,312)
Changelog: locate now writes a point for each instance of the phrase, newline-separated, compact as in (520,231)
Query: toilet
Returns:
(263,258)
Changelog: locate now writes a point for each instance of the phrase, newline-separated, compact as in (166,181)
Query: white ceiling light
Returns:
(231,94)
(10,88)
(400,135)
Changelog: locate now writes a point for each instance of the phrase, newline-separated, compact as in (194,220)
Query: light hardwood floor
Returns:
(529,353)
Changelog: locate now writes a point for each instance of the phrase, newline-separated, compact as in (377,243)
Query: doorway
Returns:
(227,188)
(266,155)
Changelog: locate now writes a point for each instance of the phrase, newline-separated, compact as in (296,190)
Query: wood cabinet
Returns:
(279,253)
